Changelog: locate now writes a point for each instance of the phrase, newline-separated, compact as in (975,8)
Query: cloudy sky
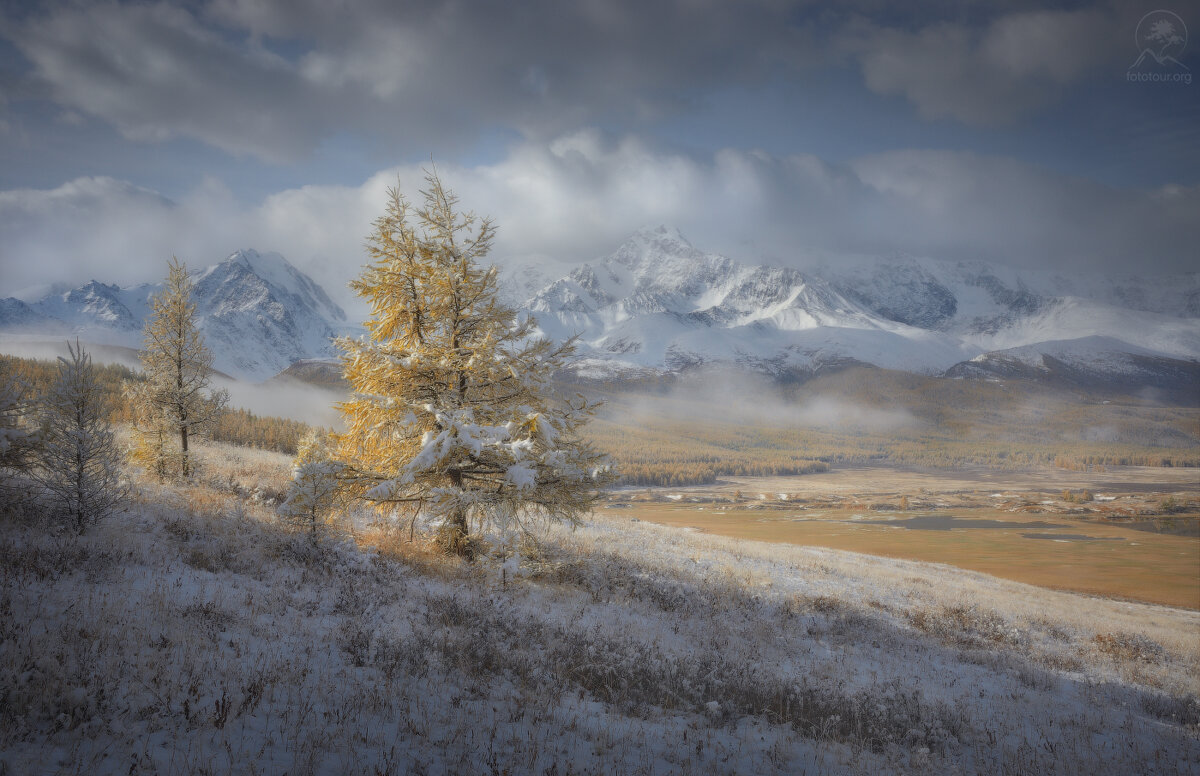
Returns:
(963,129)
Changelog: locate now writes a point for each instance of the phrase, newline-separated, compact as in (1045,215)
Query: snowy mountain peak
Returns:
(660,235)
(272,271)
(93,290)
(658,301)
(650,244)
(102,302)
(258,314)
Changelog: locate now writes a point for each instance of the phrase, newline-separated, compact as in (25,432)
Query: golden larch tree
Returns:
(174,400)
(453,415)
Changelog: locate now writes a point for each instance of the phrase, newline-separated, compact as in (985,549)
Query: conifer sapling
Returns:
(18,436)
(79,458)
(315,492)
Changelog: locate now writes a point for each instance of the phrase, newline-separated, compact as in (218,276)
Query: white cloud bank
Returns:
(577,197)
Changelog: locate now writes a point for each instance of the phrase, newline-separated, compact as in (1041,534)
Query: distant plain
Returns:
(1014,525)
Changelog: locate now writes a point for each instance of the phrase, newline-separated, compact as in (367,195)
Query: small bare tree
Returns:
(79,459)
(177,366)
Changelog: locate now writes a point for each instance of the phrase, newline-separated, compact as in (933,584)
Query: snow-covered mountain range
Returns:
(258,314)
(659,303)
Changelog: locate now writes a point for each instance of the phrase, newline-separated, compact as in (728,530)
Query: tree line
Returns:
(233,424)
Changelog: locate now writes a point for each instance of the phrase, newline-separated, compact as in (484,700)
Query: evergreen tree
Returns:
(314,493)
(80,461)
(172,402)
(453,415)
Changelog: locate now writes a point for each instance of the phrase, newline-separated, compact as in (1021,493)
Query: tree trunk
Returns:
(182,410)
(456,539)
(80,513)
(183,444)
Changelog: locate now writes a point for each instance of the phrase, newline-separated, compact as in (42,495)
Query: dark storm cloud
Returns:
(425,74)
(991,73)
(959,204)
(155,73)
(275,77)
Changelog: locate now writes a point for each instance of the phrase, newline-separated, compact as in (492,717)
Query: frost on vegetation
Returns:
(453,419)
(188,638)
(79,463)
(196,634)
(314,495)
(17,434)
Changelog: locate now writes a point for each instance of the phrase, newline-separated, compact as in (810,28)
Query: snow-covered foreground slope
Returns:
(257,312)
(194,635)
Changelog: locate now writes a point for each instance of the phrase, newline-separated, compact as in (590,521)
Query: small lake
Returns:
(952,523)
(1073,537)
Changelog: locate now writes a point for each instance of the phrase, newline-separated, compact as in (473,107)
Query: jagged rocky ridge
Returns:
(659,303)
(258,313)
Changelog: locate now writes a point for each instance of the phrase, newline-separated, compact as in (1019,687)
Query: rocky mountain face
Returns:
(1090,362)
(657,301)
(258,314)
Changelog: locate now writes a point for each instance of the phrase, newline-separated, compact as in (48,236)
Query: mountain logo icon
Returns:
(1161,38)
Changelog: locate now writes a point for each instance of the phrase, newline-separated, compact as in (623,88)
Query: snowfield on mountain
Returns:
(658,303)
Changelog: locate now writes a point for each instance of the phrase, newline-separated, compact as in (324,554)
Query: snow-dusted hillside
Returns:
(258,314)
(194,634)
(1089,361)
(658,301)
(16,316)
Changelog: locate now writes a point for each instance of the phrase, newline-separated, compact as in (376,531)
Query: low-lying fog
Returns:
(278,398)
(284,399)
(749,399)
(713,397)
(41,346)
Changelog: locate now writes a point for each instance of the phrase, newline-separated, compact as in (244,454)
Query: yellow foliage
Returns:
(315,495)
(453,415)
(171,402)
